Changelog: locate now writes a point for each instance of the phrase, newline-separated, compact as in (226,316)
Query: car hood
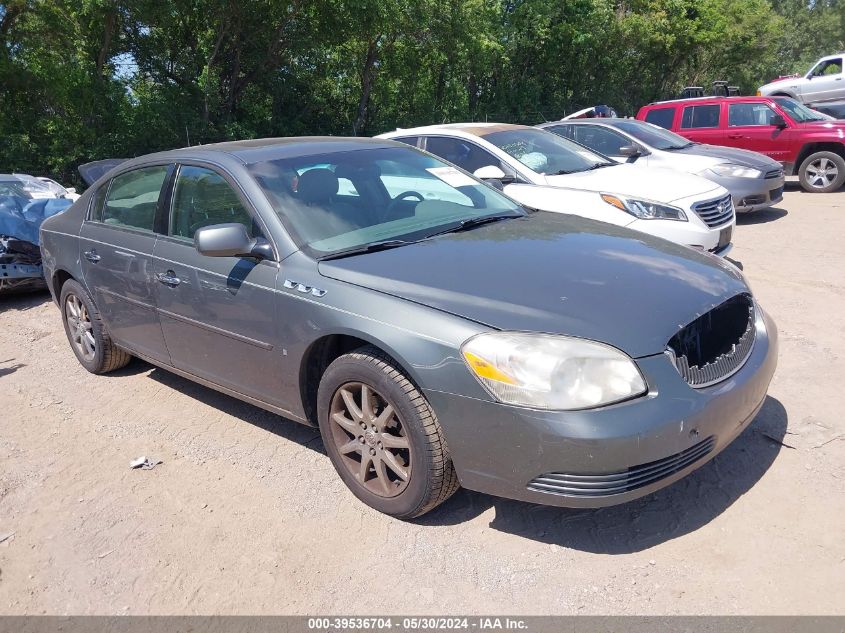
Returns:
(554,273)
(656,183)
(743,157)
(836,128)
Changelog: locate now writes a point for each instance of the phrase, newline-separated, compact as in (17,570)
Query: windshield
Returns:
(798,112)
(652,135)
(545,152)
(349,200)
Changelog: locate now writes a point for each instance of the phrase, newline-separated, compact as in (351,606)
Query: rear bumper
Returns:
(511,452)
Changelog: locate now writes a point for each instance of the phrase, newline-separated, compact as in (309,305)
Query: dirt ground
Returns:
(246,514)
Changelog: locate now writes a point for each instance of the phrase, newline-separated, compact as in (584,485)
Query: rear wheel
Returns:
(822,172)
(86,332)
(382,436)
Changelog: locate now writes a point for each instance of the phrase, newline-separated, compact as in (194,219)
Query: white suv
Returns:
(544,171)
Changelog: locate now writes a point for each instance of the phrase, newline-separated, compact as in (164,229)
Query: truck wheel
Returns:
(382,436)
(822,172)
(86,332)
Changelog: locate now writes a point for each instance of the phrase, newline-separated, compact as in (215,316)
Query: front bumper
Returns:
(501,450)
(692,233)
(753,194)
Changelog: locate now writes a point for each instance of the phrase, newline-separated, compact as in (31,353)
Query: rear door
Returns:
(218,314)
(750,126)
(116,247)
(702,123)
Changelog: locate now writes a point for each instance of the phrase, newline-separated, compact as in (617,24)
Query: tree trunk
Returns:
(108,33)
(368,76)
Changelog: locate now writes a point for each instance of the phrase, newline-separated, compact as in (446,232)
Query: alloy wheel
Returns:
(371,440)
(80,327)
(821,173)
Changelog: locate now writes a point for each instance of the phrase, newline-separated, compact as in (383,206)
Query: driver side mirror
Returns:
(230,240)
(778,121)
(493,175)
(71,189)
(633,152)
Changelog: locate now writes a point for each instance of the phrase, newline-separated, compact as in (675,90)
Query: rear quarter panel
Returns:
(60,242)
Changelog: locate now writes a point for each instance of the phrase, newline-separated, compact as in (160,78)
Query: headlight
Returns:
(546,371)
(645,209)
(729,170)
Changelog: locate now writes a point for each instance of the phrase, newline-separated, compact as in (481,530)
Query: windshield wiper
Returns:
(471,223)
(599,166)
(367,248)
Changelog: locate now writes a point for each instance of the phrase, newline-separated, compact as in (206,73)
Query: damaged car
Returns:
(441,335)
(21,215)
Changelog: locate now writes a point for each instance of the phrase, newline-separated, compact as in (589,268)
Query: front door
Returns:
(218,314)
(826,82)
(750,127)
(116,248)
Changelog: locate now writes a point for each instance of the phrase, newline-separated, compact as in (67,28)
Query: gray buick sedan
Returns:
(439,334)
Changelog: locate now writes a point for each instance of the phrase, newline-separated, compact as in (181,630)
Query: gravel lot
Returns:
(246,514)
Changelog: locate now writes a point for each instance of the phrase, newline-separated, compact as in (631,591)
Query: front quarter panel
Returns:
(424,341)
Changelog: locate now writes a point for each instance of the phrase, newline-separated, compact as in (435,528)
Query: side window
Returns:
(664,117)
(462,153)
(202,197)
(562,130)
(699,116)
(745,114)
(95,210)
(600,139)
(829,67)
(133,198)
(408,140)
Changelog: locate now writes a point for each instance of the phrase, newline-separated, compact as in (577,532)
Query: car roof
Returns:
(475,129)
(9,178)
(261,149)
(710,100)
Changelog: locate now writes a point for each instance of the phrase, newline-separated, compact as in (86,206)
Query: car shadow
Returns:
(761,217)
(278,425)
(23,300)
(638,525)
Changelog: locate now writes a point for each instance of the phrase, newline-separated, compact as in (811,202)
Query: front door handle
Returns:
(91,256)
(169,278)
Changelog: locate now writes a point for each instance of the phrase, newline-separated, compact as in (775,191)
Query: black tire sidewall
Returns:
(96,364)
(835,185)
(351,369)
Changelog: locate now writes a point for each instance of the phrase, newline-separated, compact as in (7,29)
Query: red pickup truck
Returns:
(807,143)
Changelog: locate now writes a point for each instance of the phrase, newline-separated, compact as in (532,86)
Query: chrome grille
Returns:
(724,365)
(774,173)
(715,212)
(605,485)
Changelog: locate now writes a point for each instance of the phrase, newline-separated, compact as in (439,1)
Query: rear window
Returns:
(663,117)
(699,116)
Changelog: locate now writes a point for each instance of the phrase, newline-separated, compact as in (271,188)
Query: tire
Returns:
(822,172)
(86,333)
(430,477)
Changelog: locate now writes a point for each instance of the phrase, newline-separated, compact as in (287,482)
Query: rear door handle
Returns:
(91,256)
(734,135)
(169,278)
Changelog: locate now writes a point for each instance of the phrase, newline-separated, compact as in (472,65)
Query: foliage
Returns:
(86,79)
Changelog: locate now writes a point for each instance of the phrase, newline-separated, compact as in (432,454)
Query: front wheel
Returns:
(382,436)
(86,332)
(822,172)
